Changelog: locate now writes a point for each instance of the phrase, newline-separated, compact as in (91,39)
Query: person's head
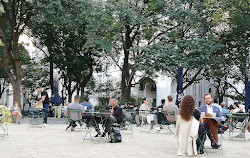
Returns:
(40,89)
(76,99)
(145,101)
(16,103)
(236,105)
(163,101)
(86,99)
(130,104)
(208,98)
(223,105)
(113,101)
(170,98)
(187,107)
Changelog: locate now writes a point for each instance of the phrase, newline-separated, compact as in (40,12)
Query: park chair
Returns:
(170,120)
(202,140)
(36,117)
(237,121)
(143,115)
(127,120)
(3,126)
(74,115)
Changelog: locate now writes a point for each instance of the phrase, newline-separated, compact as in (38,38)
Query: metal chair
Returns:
(170,120)
(36,117)
(3,126)
(74,115)
(237,121)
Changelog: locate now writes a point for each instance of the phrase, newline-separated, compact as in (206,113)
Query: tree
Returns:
(237,41)
(14,19)
(233,65)
(121,27)
(60,27)
(191,43)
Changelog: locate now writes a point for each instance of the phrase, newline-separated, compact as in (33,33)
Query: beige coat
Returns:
(186,136)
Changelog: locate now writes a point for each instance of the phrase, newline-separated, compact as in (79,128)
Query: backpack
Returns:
(115,135)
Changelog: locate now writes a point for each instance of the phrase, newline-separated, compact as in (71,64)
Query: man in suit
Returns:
(211,129)
(209,107)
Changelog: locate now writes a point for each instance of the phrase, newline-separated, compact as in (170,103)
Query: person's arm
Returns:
(40,101)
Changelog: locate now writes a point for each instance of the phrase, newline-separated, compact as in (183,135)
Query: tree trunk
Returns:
(82,93)
(16,91)
(78,89)
(69,91)
(126,77)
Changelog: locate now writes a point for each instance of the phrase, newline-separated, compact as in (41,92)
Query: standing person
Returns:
(187,127)
(45,100)
(16,111)
(170,108)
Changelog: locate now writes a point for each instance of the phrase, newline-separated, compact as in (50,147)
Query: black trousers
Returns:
(106,123)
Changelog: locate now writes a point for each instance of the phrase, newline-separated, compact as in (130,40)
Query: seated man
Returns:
(116,116)
(209,109)
(169,109)
(75,105)
(160,116)
(224,112)
(87,106)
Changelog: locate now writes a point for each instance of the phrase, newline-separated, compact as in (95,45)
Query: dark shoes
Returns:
(224,128)
(103,134)
(97,134)
(215,145)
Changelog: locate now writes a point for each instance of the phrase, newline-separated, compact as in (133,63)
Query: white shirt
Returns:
(236,110)
(210,109)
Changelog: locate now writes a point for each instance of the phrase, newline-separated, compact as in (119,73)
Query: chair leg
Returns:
(68,126)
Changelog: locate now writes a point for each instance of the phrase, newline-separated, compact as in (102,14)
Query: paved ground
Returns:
(54,142)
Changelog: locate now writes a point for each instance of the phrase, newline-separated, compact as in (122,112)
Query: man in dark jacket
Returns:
(115,116)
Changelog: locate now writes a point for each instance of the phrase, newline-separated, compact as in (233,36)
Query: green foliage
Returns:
(61,27)
(189,41)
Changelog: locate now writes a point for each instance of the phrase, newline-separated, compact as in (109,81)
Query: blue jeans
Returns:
(46,110)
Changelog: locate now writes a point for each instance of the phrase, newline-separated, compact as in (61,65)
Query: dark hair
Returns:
(86,99)
(208,94)
(144,100)
(130,103)
(163,101)
(114,97)
(236,104)
(187,107)
(170,98)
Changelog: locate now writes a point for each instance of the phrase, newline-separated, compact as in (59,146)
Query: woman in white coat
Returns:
(187,127)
